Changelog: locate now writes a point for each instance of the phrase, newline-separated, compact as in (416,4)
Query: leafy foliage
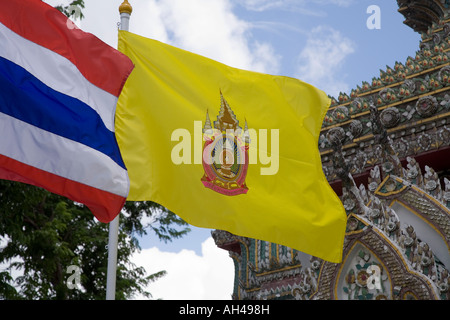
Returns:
(47,233)
(73,10)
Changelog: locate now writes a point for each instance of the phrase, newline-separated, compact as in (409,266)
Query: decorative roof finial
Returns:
(207,123)
(126,7)
(226,118)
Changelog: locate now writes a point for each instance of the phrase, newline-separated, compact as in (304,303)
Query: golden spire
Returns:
(226,118)
(125,7)
(207,123)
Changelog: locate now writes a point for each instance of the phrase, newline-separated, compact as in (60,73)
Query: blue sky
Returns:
(323,42)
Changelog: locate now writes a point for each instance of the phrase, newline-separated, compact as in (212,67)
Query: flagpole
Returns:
(125,10)
(112,259)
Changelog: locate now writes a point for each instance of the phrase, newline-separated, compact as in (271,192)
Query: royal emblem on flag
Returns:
(225,152)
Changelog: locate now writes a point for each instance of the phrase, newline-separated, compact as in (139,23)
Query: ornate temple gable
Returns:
(420,14)
(420,200)
(399,280)
(413,260)
(414,253)
(413,102)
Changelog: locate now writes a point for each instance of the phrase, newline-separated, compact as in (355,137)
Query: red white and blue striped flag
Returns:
(58,92)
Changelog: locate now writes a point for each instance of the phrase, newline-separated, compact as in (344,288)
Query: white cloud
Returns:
(262,5)
(189,276)
(205,27)
(300,6)
(320,62)
(6,265)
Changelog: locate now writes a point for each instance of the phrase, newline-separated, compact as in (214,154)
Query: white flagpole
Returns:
(112,259)
(125,10)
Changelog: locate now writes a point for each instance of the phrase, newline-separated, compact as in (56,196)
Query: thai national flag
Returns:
(58,92)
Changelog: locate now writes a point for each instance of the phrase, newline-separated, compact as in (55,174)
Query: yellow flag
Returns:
(228,149)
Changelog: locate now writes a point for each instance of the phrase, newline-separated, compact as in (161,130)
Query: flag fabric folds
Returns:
(228,149)
(58,94)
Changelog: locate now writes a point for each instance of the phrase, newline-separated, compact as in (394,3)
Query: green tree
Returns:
(45,234)
(73,10)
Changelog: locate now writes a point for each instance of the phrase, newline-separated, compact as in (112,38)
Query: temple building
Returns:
(385,149)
